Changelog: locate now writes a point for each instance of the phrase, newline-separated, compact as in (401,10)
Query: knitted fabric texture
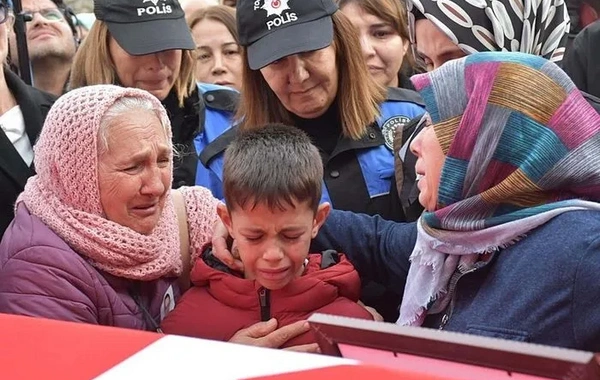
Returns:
(65,194)
(201,209)
(521,147)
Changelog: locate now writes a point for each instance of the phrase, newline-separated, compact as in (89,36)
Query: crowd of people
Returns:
(223,171)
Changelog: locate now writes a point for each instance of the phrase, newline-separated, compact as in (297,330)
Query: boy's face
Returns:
(273,244)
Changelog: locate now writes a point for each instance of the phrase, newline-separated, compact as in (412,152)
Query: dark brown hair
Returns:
(275,165)
(358,94)
(393,12)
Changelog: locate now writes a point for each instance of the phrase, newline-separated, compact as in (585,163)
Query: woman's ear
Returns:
(320,217)
(405,46)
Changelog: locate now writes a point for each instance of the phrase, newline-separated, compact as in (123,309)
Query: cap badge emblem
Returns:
(275,7)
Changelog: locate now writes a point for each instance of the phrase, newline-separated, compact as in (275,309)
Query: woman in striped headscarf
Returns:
(443,30)
(509,245)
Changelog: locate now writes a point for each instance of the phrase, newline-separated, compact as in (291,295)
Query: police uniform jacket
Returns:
(207,109)
(359,174)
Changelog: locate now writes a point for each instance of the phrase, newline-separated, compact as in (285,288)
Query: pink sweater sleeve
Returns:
(201,208)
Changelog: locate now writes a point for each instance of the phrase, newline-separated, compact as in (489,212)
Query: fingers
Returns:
(261,329)
(280,336)
(311,348)
(220,250)
(376,316)
(253,334)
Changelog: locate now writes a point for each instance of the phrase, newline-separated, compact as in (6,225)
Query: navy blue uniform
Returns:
(346,162)
(208,109)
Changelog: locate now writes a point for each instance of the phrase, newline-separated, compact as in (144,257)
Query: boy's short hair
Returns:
(274,165)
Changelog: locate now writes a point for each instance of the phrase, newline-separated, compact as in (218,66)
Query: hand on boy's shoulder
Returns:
(221,250)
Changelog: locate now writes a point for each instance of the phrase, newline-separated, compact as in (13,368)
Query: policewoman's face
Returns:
(218,55)
(306,83)
(155,73)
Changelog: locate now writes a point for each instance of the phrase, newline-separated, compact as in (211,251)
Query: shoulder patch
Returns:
(224,100)
(388,129)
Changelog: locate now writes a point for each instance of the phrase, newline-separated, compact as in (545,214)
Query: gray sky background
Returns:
(80,6)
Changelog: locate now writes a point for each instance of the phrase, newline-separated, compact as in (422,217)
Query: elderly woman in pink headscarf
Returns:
(99,237)
(96,236)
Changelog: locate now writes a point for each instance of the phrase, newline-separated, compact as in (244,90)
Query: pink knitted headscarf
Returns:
(65,194)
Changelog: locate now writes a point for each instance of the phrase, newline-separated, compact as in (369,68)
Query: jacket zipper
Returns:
(264,300)
(452,287)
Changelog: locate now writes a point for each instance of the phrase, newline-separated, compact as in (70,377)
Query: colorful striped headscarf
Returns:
(536,27)
(521,146)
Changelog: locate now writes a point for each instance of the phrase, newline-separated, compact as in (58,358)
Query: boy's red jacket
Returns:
(220,303)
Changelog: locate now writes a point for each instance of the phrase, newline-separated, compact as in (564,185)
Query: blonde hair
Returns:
(359,96)
(94,65)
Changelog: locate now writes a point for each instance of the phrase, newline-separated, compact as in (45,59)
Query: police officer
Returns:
(149,46)
(320,84)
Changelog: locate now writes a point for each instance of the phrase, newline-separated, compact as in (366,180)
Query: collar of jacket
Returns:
(316,288)
(397,94)
(34,105)
(30,100)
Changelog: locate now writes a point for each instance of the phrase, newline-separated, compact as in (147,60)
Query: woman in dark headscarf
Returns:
(470,26)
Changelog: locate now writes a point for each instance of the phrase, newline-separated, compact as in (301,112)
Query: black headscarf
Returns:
(538,27)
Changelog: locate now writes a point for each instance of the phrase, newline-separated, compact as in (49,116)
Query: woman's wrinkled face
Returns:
(430,161)
(134,171)
(434,46)
(219,58)
(306,83)
(155,73)
(382,46)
